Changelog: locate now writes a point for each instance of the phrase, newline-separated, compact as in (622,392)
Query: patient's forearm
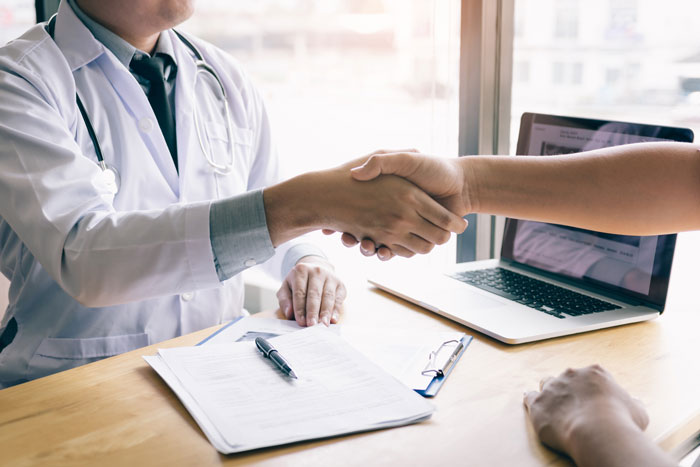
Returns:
(616,445)
(639,189)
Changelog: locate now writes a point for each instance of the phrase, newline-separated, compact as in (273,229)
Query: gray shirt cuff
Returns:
(239,235)
(295,253)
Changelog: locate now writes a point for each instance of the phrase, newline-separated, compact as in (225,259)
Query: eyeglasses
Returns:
(441,360)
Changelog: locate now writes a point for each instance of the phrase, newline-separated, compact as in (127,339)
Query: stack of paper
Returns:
(242,401)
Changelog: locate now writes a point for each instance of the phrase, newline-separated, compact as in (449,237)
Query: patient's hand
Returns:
(587,415)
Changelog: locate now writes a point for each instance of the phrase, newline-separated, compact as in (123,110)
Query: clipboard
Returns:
(211,336)
(443,371)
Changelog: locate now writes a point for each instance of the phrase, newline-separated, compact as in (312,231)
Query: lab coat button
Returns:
(250,263)
(146,125)
(187,296)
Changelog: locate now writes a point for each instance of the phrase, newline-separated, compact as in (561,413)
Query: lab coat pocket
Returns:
(58,354)
(224,151)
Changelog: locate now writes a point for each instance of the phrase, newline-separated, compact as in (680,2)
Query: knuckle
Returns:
(312,295)
(444,219)
(299,294)
(596,370)
(407,196)
(340,294)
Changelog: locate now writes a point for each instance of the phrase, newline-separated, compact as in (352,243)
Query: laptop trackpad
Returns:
(462,298)
(440,292)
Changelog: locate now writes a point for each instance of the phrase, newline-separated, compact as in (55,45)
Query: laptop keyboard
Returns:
(537,294)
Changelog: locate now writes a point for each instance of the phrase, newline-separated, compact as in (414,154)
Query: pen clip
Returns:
(439,372)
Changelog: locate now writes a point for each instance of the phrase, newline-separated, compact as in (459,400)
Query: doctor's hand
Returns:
(312,293)
(587,415)
(443,179)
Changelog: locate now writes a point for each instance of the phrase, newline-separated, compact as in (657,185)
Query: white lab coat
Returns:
(94,274)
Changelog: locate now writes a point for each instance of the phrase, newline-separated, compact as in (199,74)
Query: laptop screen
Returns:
(637,267)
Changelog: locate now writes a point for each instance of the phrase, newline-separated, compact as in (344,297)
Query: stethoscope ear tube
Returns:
(113,176)
(202,67)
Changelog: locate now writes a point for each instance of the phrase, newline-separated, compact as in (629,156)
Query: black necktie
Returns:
(152,69)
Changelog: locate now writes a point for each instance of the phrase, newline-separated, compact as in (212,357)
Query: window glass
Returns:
(16,16)
(635,60)
(342,78)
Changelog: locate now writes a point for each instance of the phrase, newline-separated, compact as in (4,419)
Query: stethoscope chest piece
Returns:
(111,179)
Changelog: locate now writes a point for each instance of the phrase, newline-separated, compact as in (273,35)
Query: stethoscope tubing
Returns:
(201,66)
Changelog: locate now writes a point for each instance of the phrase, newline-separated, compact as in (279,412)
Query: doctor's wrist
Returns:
(289,208)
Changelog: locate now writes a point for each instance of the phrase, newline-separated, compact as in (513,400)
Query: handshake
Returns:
(391,202)
(428,221)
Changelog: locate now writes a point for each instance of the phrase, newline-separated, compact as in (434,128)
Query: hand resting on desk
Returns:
(312,293)
(584,413)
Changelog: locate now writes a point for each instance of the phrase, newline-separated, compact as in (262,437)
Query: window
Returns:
(557,73)
(521,72)
(566,19)
(623,20)
(342,78)
(16,16)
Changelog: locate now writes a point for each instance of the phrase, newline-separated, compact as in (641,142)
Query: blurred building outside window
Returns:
(16,16)
(633,60)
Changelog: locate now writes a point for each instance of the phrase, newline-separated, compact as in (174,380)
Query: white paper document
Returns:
(242,401)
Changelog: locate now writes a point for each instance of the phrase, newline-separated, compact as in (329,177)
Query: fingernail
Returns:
(326,320)
(312,322)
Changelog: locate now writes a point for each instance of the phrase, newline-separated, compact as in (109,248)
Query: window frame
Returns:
(486,75)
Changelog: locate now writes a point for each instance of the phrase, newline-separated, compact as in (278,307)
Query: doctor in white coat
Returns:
(97,267)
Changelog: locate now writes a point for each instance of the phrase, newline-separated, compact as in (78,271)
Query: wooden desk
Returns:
(118,411)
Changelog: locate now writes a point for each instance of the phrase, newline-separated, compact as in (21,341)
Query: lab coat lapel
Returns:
(136,102)
(80,48)
(184,104)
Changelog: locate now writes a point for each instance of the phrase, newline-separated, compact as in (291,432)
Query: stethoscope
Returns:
(110,173)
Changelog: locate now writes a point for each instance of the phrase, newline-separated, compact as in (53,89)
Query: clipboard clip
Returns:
(433,368)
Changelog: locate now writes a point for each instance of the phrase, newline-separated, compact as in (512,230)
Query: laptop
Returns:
(553,280)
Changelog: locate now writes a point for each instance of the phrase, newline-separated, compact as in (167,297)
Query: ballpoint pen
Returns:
(270,352)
